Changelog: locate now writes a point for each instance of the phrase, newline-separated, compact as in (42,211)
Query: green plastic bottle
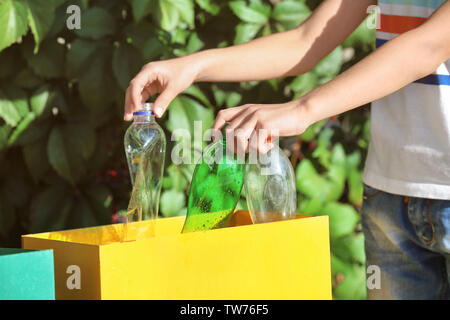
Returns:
(215,188)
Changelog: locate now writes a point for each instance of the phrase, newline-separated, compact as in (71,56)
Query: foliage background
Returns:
(62,163)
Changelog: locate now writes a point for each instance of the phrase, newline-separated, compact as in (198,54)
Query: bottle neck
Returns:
(223,140)
(143,118)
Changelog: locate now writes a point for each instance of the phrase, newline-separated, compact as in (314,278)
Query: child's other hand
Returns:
(253,125)
(168,78)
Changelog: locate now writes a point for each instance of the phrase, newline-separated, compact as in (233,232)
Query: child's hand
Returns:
(253,125)
(168,78)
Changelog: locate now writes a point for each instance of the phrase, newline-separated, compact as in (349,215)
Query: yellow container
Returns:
(278,260)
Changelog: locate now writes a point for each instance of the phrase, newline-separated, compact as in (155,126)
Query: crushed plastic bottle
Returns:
(145,147)
(270,187)
(215,188)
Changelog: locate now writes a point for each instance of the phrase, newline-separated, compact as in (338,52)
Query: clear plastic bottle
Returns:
(270,187)
(145,148)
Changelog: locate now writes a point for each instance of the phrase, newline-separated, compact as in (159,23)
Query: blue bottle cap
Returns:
(147,110)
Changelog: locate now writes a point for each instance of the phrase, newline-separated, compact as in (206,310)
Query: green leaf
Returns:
(141,8)
(339,266)
(81,138)
(309,182)
(59,23)
(13,21)
(254,13)
(352,279)
(8,111)
(343,218)
(328,187)
(167,15)
(179,36)
(138,33)
(100,199)
(173,203)
(152,49)
(40,101)
(355,185)
(176,179)
(313,130)
(101,154)
(183,111)
(362,37)
(50,209)
(23,125)
(353,287)
(246,32)
(233,99)
(58,155)
(96,86)
(291,13)
(4,133)
(353,161)
(195,91)
(350,248)
(263,8)
(219,95)
(18,97)
(336,177)
(311,206)
(185,10)
(91,64)
(41,16)
(97,23)
(330,65)
(366,130)
(69,149)
(267,30)
(34,131)
(126,63)
(27,79)
(303,84)
(81,215)
(35,156)
(338,158)
(322,151)
(209,6)
(305,170)
(79,56)
(49,61)
(194,44)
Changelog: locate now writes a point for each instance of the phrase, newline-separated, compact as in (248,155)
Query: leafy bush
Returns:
(62,163)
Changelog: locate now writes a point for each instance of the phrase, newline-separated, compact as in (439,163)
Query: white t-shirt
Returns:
(409,152)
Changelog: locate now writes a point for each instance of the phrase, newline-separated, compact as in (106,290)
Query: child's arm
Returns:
(407,58)
(288,53)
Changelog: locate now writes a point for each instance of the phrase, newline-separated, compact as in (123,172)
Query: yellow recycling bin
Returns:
(278,260)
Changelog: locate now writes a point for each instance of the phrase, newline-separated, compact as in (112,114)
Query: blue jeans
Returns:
(408,239)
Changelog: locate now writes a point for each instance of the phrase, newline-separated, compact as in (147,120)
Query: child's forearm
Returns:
(399,62)
(287,53)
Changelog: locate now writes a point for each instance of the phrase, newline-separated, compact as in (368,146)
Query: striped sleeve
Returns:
(400,16)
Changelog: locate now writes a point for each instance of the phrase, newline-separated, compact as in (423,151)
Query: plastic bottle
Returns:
(145,147)
(270,187)
(215,188)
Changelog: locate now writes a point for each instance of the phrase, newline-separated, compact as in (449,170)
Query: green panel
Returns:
(26,274)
